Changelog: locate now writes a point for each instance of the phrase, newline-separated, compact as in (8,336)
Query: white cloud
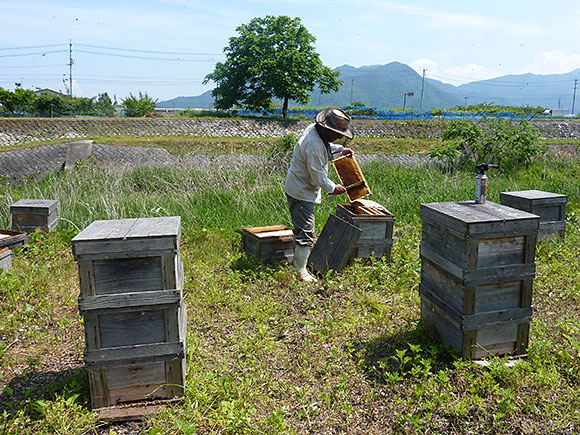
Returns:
(442,19)
(456,76)
(468,73)
(428,64)
(553,62)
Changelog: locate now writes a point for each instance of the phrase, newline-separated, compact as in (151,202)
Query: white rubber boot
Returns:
(301,254)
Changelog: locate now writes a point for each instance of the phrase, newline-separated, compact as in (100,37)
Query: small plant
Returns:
(495,140)
(283,145)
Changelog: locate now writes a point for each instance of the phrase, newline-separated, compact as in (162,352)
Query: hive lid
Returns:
(352,178)
(471,218)
(42,205)
(124,229)
(533,196)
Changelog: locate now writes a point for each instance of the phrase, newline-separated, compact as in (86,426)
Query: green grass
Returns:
(236,145)
(270,354)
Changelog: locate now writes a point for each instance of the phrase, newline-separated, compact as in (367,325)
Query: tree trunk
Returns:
(285,108)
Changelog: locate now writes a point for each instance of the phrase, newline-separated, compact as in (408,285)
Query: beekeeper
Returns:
(308,174)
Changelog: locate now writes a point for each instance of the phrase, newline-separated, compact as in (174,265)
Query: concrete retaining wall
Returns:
(25,130)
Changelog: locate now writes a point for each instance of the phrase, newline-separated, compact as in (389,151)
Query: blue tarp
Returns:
(387,114)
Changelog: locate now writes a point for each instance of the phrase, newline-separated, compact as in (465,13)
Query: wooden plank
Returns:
(496,318)
(128,275)
(277,234)
(136,375)
(491,275)
(98,387)
(156,227)
(105,230)
(92,336)
(170,268)
(175,374)
(334,246)
(5,259)
(130,355)
(130,299)
(500,251)
(132,328)
(469,343)
(141,392)
(125,248)
(447,245)
(523,338)
(133,411)
(449,266)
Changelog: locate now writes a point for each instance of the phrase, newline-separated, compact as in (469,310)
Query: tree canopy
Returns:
(273,57)
(138,106)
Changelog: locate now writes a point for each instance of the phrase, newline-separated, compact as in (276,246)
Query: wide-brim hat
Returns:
(336,120)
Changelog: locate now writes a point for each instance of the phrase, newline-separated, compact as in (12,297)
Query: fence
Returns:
(378,113)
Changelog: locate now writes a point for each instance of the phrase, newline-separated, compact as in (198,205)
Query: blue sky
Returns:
(166,48)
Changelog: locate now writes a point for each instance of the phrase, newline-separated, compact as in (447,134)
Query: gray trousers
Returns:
(302,214)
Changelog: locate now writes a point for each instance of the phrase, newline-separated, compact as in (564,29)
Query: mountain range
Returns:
(386,86)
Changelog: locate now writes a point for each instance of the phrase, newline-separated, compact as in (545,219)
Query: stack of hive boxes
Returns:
(478,266)
(131,282)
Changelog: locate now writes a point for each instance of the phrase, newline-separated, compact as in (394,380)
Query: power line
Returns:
(33,54)
(144,57)
(32,46)
(150,51)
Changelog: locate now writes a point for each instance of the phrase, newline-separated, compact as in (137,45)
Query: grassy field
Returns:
(268,354)
(236,145)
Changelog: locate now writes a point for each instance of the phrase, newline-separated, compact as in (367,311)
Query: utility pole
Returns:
(351,86)
(70,64)
(422,89)
(574,97)
(465,104)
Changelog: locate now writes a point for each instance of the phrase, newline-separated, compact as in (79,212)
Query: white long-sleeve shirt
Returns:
(308,172)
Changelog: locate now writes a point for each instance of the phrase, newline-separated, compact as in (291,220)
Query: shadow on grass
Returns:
(250,265)
(406,354)
(25,392)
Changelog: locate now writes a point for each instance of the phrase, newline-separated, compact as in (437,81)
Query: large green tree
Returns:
(273,57)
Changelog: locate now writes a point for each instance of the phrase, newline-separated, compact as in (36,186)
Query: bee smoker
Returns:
(481,182)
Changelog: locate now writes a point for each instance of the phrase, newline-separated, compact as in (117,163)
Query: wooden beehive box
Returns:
(30,214)
(269,244)
(12,239)
(335,246)
(551,207)
(377,225)
(131,282)
(477,275)
(5,259)
(351,177)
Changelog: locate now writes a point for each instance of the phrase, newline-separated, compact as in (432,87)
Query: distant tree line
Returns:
(49,103)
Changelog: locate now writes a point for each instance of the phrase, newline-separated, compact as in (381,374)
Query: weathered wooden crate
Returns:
(5,259)
(12,239)
(30,214)
(551,207)
(131,282)
(335,246)
(269,244)
(477,275)
(376,238)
